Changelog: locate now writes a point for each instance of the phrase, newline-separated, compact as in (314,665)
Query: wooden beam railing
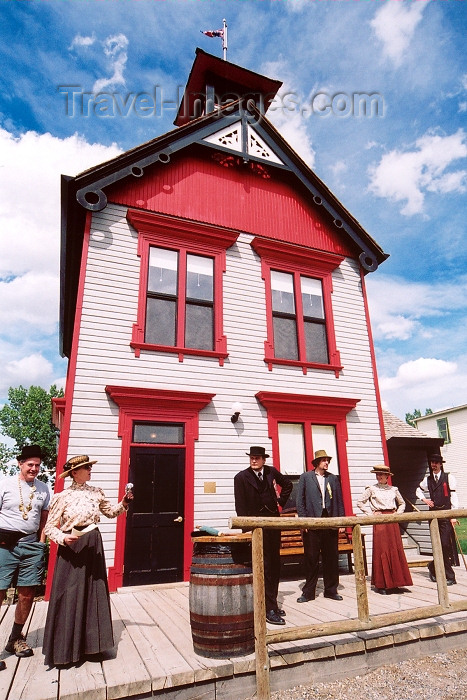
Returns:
(364,621)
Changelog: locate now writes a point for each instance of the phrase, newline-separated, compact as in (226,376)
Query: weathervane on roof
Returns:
(220,33)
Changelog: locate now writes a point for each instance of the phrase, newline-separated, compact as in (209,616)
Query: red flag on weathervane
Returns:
(214,32)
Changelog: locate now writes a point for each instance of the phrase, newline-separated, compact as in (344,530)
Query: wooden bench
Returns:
(292,544)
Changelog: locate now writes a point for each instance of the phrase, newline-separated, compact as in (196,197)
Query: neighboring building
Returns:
(207,268)
(450,426)
(408,452)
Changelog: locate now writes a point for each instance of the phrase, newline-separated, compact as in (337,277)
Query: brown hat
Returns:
(29,451)
(75,463)
(257,451)
(382,469)
(320,454)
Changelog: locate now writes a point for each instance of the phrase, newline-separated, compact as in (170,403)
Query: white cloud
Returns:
(32,369)
(407,175)
(285,112)
(415,372)
(30,169)
(394,25)
(115,48)
(85,41)
(399,308)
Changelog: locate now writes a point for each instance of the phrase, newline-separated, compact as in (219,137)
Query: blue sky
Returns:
(402,172)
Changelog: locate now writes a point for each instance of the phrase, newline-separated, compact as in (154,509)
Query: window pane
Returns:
(312,298)
(324,438)
(291,448)
(160,322)
(158,433)
(285,338)
(200,278)
(282,292)
(316,345)
(443,429)
(162,275)
(199,327)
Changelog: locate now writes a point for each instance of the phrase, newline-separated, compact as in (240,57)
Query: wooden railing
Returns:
(263,637)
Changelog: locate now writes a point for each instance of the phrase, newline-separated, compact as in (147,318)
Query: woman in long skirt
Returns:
(78,619)
(389,568)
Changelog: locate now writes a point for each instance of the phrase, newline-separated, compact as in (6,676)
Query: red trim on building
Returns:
(188,236)
(310,263)
(374,370)
(199,189)
(67,400)
(318,410)
(140,404)
(58,411)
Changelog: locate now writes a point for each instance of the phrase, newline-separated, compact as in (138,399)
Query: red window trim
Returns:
(309,263)
(318,410)
(192,237)
(156,405)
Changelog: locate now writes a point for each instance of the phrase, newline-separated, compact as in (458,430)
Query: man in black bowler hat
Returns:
(255,495)
(441,487)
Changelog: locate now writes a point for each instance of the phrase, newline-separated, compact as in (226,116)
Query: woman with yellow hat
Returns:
(78,618)
(389,568)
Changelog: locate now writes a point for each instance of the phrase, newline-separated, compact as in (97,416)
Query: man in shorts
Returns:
(24,504)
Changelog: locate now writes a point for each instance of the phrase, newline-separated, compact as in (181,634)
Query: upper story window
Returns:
(180,295)
(300,322)
(180,286)
(443,429)
(298,313)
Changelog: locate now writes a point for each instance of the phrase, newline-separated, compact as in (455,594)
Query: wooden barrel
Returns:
(221,597)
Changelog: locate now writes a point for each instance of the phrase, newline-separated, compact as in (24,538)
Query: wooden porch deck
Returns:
(154,655)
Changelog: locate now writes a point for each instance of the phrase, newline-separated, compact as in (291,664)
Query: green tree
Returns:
(409,417)
(27,419)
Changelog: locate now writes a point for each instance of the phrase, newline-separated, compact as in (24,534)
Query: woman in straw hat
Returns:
(389,568)
(78,618)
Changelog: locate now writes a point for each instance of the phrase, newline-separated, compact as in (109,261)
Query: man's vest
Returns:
(440,493)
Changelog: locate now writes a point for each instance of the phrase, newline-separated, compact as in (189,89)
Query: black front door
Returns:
(154,530)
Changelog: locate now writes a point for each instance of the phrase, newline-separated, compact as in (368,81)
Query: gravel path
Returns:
(438,677)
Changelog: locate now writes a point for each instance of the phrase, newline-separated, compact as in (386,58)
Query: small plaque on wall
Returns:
(209,487)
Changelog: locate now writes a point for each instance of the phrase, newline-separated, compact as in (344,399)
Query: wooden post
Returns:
(263,691)
(360,580)
(439,564)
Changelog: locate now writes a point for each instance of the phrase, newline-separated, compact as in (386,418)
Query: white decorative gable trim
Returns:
(231,137)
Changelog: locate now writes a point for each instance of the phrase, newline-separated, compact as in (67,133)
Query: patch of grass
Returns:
(461,532)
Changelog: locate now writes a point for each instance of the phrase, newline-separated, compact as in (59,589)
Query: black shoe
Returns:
(381,591)
(274,618)
(304,599)
(432,578)
(451,583)
(280,612)
(2,665)
(333,596)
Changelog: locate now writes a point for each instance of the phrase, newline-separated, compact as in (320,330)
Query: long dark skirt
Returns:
(390,568)
(78,618)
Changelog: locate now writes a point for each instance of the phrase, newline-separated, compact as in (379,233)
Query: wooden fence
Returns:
(365,621)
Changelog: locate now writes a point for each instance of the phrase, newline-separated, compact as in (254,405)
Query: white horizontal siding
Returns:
(104,357)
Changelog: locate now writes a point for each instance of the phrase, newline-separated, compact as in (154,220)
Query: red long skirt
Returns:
(389,568)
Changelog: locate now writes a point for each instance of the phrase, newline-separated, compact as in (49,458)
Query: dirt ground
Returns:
(439,677)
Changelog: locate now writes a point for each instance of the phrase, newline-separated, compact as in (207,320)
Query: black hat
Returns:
(29,451)
(435,458)
(257,451)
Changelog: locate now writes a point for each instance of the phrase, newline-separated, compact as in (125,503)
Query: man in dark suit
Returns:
(319,495)
(255,495)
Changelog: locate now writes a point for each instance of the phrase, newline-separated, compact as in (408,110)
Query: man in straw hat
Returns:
(24,504)
(255,495)
(441,487)
(319,495)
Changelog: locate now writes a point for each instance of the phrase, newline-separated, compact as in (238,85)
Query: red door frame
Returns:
(139,404)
